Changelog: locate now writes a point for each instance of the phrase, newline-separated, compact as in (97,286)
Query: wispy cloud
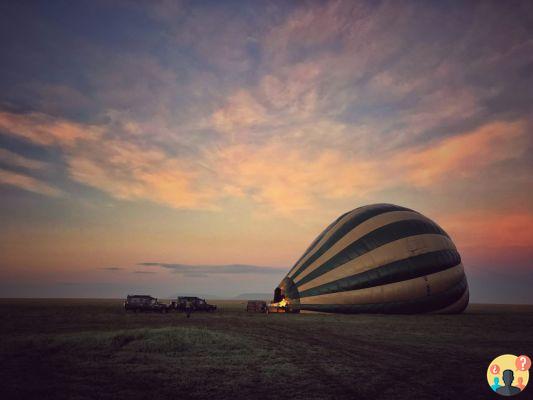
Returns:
(17,160)
(132,172)
(463,156)
(337,107)
(205,270)
(241,111)
(122,168)
(258,171)
(112,269)
(261,173)
(44,129)
(28,183)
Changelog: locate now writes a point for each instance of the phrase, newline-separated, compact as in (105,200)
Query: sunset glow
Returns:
(176,147)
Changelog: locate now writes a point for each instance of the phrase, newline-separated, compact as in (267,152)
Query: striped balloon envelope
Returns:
(380,258)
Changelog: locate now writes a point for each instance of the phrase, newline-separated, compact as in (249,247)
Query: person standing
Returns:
(188,308)
(520,385)
(496,384)
(508,389)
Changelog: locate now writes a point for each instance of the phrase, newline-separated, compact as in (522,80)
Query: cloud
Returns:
(28,183)
(128,171)
(205,270)
(493,241)
(230,50)
(320,103)
(463,155)
(288,176)
(17,160)
(491,230)
(112,268)
(144,272)
(241,111)
(43,129)
(196,275)
(116,165)
(262,174)
(298,170)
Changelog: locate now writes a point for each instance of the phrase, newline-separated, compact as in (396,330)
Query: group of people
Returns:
(507,389)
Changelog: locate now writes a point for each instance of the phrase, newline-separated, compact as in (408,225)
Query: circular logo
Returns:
(508,374)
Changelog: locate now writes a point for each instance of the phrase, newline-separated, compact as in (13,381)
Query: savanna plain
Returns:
(93,349)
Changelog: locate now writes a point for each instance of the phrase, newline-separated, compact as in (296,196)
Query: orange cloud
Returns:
(289,178)
(45,130)
(298,167)
(121,168)
(463,155)
(490,229)
(127,171)
(492,239)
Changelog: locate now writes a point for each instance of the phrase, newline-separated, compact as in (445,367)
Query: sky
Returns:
(199,147)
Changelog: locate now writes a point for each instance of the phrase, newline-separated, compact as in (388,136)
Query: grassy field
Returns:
(92,349)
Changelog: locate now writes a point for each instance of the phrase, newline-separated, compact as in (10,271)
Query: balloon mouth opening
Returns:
(286,298)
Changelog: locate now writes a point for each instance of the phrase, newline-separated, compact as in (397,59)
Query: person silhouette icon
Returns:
(520,384)
(508,390)
(496,383)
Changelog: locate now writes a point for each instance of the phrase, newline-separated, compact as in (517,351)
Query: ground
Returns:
(93,349)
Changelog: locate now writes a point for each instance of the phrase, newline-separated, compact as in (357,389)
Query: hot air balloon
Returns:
(379,258)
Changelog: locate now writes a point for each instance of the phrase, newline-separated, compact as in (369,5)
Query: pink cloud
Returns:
(127,171)
(28,183)
(491,229)
(242,111)
(297,166)
(117,166)
(45,130)
(463,155)
(288,178)
(492,238)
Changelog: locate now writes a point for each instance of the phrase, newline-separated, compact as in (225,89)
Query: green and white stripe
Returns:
(379,258)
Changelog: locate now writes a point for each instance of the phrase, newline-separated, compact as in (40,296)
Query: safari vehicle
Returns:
(143,303)
(198,304)
(258,306)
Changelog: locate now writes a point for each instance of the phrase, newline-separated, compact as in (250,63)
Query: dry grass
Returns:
(92,349)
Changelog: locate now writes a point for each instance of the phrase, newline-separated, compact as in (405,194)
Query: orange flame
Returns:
(282,303)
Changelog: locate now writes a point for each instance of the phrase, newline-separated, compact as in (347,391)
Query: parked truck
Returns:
(137,303)
(258,306)
(197,304)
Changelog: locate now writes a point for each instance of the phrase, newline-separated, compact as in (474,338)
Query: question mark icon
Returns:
(523,363)
(495,369)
